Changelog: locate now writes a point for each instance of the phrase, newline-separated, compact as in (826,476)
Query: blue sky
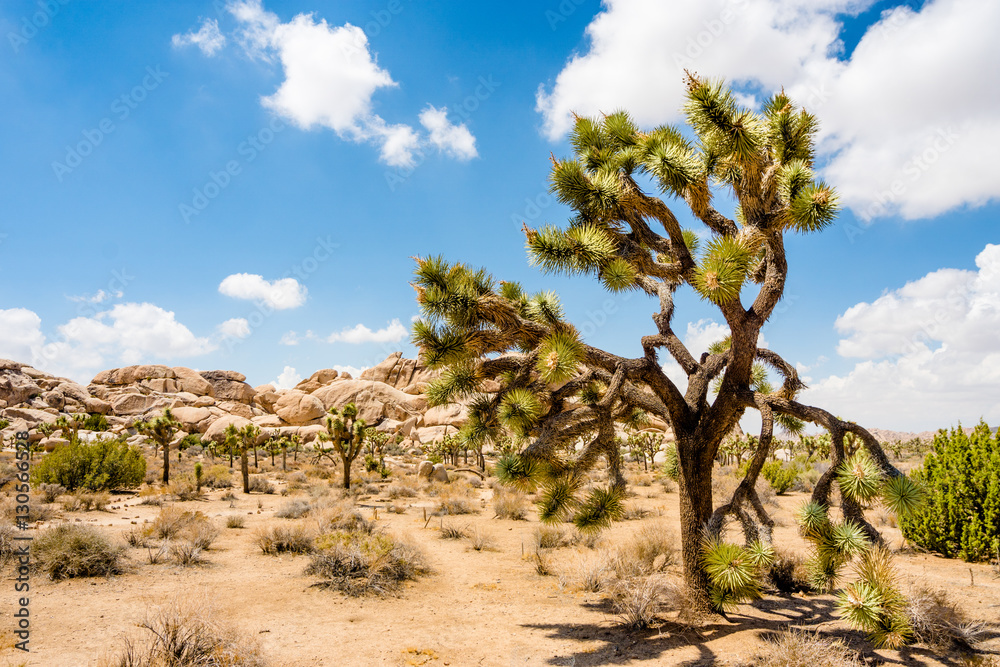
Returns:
(241,185)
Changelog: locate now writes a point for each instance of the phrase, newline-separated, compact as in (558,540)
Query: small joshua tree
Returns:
(71,425)
(242,439)
(161,431)
(346,433)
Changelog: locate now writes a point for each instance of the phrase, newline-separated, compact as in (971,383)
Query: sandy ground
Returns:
(475,608)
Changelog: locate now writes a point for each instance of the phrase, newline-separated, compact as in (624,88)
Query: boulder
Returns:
(308,386)
(53,443)
(229,386)
(161,385)
(217,431)
(375,400)
(72,390)
(234,408)
(268,421)
(16,387)
(431,433)
(54,399)
(398,372)
(31,417)
(266,397)
(439,473)
(204,402)
(133,374)
(425,469)
(453,414)
(298,408)
(135,404)
(194,420)
(325,376)
(190,380)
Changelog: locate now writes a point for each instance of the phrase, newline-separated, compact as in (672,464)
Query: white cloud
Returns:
(128,333)
(930,353)
(358,334)
(208,38)
(903,120)
(99,297)
(278,294)
(237,327)
(290,338)
(287,379)
(353,370)
(331,77)
(454,140)
(698,337)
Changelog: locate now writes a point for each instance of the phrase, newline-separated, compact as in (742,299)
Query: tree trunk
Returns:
(347,473)
(230,459)
(272,458)
(255,464)
(695,491)
(166,463)
(284,460)
(245,469)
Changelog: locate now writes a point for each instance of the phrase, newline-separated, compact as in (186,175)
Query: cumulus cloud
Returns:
(929,352)
(237,327)
(454,140)
(208,38)
(278,294)
(392,333)
(331,77)
(698,337)
(904,119)
(353,370)
(128,333)
(287,379)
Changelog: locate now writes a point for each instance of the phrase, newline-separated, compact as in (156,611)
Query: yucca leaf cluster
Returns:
(873,601)
(735,571)
(960,517)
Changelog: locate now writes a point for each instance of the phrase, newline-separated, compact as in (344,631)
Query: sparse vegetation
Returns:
(105,464)
(364,563)
(73,550)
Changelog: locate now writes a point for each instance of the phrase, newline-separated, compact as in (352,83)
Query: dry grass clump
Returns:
(455,503)
(796,648)
(236,521)
(184,488)
(638,601)
(186,638)
(364,564)
(400,490)
(552,537)
(481,540)
(647,551)
(340,515)
(51,491)
(186,553)
(296,539)
(38,509)
(938,623)
(293,509)
(150,496)
(259,484)
(453,532)
(7,548)
(510,505)
(74,550)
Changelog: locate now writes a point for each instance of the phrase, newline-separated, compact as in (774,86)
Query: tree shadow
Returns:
(622,645)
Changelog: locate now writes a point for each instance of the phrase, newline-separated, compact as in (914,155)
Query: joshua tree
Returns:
(70,425)
(161,431)
(347,435)
(523,367)
(242,439)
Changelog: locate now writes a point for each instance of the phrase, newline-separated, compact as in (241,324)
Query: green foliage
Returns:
(600,508)
(961,513)
(779,476)
(860,478)
(95,422)
(103,464)
(735,572)
(874,603)
(520,472)
(671,463)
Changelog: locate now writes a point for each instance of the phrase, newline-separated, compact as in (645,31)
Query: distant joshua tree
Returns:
(161,430)
(346,433)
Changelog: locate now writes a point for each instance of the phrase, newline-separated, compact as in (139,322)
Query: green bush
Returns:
(95,422)
(104,464)
(671,464)
(960,516)
(780,477)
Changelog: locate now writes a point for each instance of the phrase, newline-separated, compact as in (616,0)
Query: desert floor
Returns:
(486,607)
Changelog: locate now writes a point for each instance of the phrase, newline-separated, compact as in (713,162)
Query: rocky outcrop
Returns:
(407,375)
(298,408)
(230,386)
(375,400)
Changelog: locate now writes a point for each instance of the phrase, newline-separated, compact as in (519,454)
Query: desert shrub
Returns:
(364,564)
(452,532)
(591,574)
(284,539)
(551,537)
(961,478)
(91,501)
(510,505)
(796,648)
(104,464)
(201,533)
(174,522)
(51,491)
(788,573)
(259,484)
(186,638)
(217,477)
(454,503)
(38,510)
(74,550)
(648,550)
(938,623)
(343,516)
(95,422)
(400,490)
(294,509)
(779,476)
(7,548)
(481,540)
(136,537)
(186,553)
(184,488)
(639,600)
(235,521)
